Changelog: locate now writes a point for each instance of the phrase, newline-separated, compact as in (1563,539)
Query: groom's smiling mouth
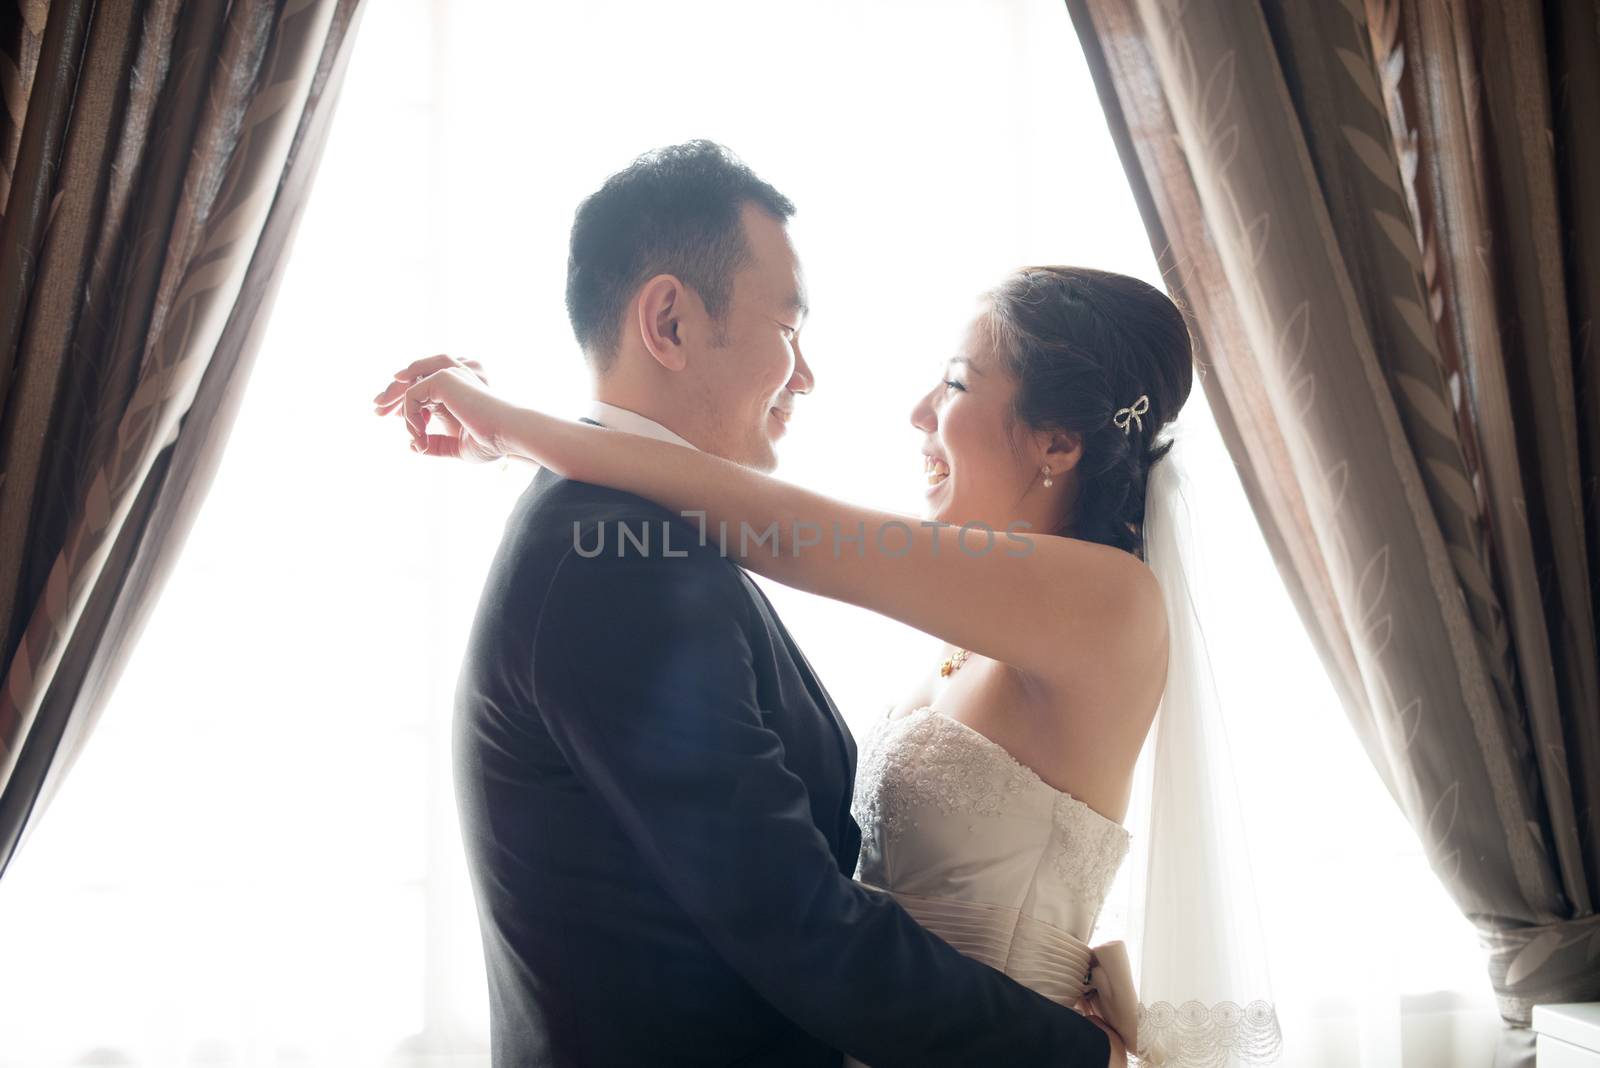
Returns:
(782,415)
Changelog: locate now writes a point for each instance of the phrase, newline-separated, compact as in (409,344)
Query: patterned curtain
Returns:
(154,159)
(1384,218)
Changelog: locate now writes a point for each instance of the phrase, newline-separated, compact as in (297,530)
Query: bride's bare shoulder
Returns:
(1115,635)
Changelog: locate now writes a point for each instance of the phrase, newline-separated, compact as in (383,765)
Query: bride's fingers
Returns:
(432,364)
(426,366)
(392,394)
(440,445)
(422,368)
(419,399)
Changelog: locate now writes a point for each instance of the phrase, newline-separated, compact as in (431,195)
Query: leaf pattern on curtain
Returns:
(1411,356)
(1461,322)
(189,149)
(184,336)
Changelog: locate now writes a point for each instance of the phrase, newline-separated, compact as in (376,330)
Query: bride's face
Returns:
(977,468)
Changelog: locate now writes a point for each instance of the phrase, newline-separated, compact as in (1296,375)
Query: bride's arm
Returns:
(1048,605)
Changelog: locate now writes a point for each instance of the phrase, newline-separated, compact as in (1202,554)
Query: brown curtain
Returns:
(1384,219)
(154,160)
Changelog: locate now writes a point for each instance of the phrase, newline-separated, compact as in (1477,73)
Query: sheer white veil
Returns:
(1193,927)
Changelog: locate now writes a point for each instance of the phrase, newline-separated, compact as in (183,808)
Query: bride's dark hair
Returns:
(1083,344)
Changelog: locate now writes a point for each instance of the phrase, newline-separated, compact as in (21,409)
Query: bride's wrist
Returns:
(530,435)
(508,434)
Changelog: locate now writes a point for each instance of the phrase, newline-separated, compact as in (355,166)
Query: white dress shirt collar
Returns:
(622,419)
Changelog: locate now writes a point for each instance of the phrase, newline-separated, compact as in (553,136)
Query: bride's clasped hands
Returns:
(450,411)
(470,420)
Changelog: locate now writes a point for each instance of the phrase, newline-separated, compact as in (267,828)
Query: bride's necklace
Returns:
(952,663)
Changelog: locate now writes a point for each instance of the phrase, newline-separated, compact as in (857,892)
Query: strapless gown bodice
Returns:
(979,849)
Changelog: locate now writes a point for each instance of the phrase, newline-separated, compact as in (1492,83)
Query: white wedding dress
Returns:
(983,852)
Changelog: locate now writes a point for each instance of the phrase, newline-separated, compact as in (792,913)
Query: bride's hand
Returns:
(455,394)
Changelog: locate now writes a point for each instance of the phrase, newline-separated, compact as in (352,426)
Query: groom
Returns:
(654,787)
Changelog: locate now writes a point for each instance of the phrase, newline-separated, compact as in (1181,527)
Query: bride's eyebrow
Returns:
(968,364)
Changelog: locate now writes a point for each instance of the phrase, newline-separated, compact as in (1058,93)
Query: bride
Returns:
(992,796)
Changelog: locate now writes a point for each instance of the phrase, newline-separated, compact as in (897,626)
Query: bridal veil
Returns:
(1193,923)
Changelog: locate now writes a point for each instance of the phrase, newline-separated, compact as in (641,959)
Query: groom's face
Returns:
(751,370)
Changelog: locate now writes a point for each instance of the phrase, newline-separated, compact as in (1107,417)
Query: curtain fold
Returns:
(149,216)
(1381,216)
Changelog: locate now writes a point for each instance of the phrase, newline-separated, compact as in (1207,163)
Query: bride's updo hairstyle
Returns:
(1083,344)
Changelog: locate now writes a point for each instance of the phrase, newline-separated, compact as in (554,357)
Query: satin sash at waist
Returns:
(1045,958)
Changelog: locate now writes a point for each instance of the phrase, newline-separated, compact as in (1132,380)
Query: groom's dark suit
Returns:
(655,795)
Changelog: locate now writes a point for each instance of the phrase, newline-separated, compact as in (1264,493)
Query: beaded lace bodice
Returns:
(952,824)
(1013,872)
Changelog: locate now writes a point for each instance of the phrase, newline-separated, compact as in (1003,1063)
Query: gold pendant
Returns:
(953,663)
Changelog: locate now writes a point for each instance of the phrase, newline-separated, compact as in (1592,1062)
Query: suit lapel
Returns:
(847,742)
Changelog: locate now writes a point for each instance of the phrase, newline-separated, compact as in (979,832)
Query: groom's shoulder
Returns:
(555,502)
(560,518)
(583,546)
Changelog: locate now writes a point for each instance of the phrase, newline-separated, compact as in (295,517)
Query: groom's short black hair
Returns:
(675,211)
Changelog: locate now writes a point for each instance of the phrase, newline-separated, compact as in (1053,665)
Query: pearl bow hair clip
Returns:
(1126,415)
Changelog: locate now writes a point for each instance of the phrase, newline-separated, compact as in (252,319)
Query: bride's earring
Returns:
(1047,482)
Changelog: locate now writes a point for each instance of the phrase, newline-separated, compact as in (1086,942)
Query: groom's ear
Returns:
(661,308)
